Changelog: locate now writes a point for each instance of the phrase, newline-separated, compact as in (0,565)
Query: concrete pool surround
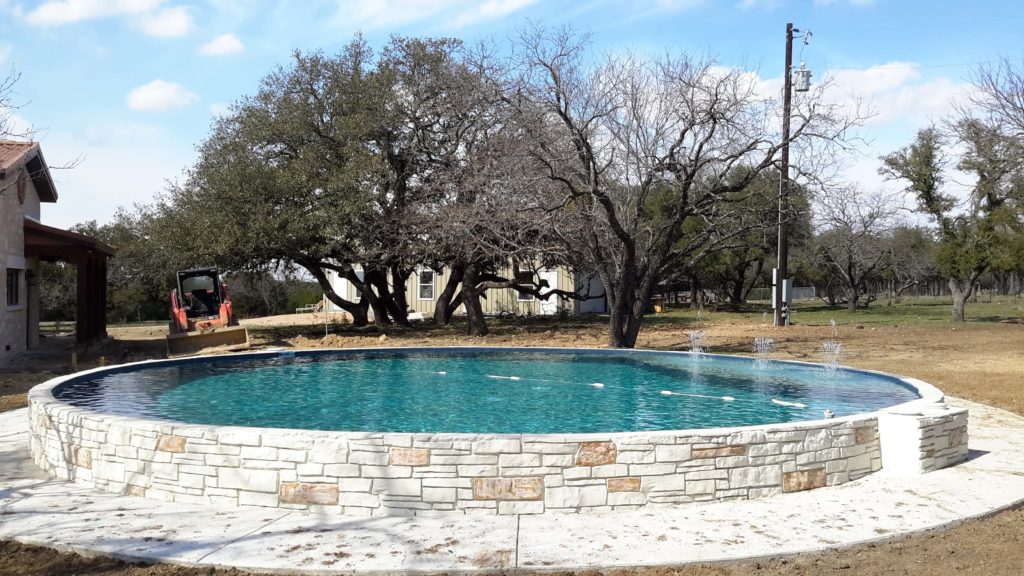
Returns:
(406,474)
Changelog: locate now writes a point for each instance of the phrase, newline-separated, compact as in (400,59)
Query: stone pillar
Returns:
(917,441)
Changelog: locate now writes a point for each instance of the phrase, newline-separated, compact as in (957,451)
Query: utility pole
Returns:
(780,294)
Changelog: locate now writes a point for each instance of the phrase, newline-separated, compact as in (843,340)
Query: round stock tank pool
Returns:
(491,430)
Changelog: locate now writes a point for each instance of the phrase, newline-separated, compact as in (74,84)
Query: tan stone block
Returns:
(863,435)
(596,453)
(718,452)
(627,484)
(82,457)
(508,488)
(803,480)
(309,493)
(167,443)
(410,457)
(139,491)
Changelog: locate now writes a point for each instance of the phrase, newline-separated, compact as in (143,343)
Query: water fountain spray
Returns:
(763,347)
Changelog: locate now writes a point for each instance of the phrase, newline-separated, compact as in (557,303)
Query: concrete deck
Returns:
(37,510)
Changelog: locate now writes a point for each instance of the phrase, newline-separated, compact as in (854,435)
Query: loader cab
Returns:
(200,292)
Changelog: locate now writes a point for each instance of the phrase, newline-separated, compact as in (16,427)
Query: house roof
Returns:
(15,154)
(47,242)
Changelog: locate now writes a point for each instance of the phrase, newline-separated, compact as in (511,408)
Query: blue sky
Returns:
(130,86)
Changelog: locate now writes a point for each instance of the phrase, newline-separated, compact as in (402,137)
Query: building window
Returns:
(426,285)
(359,293)
(525,279)
(13,284)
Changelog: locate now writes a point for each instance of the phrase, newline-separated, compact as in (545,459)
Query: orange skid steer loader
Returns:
(201,315)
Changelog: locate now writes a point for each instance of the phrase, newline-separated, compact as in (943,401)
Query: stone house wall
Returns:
(15,336)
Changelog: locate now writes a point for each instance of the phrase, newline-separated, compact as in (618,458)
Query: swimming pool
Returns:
(481,430)
(550,391)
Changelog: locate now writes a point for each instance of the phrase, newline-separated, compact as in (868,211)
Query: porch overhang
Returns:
(89,256)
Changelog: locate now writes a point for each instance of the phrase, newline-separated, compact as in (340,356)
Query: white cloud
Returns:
(384,13)
(158,96)
(58,12)
(897,93)
(490,10)
(5,52)
(223,45)
(167,23)
(219,109)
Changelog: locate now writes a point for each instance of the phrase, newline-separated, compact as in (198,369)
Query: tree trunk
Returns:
(378,279)
(961,292)
(357,311)
(758,268)
(399,277)
(471,301)
(443,307)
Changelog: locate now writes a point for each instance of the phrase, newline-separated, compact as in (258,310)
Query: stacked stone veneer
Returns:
(405,474)
(916,443)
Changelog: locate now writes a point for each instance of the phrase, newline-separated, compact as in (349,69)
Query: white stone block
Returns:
(328,453)
(383,471)
(519,460)
(372,458)
(559,460)
(575,496)
(236,437)
(609,470)
(625,498)
(497,445)
(755,476)
(434,494)
(341,470)
(663,483)
(249,480)
(524,507)
(396,487)
(672,452)
(477,470)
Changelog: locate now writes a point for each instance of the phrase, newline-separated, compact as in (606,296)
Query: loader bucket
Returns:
(230,338)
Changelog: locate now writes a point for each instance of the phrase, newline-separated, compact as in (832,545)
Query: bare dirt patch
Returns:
(980,361)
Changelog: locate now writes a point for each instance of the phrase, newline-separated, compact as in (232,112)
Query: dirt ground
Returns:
(981,361)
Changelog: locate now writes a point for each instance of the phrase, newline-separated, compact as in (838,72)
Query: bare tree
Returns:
(9,125)
(1000,94)
(913,259)
(852,228)
(641,147)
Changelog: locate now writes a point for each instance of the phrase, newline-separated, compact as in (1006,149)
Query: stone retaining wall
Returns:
(418,474)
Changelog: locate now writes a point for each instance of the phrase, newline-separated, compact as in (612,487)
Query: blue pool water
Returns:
(483,391)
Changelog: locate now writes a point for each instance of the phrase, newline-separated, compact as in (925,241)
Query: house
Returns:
(26,183)
(425,285)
